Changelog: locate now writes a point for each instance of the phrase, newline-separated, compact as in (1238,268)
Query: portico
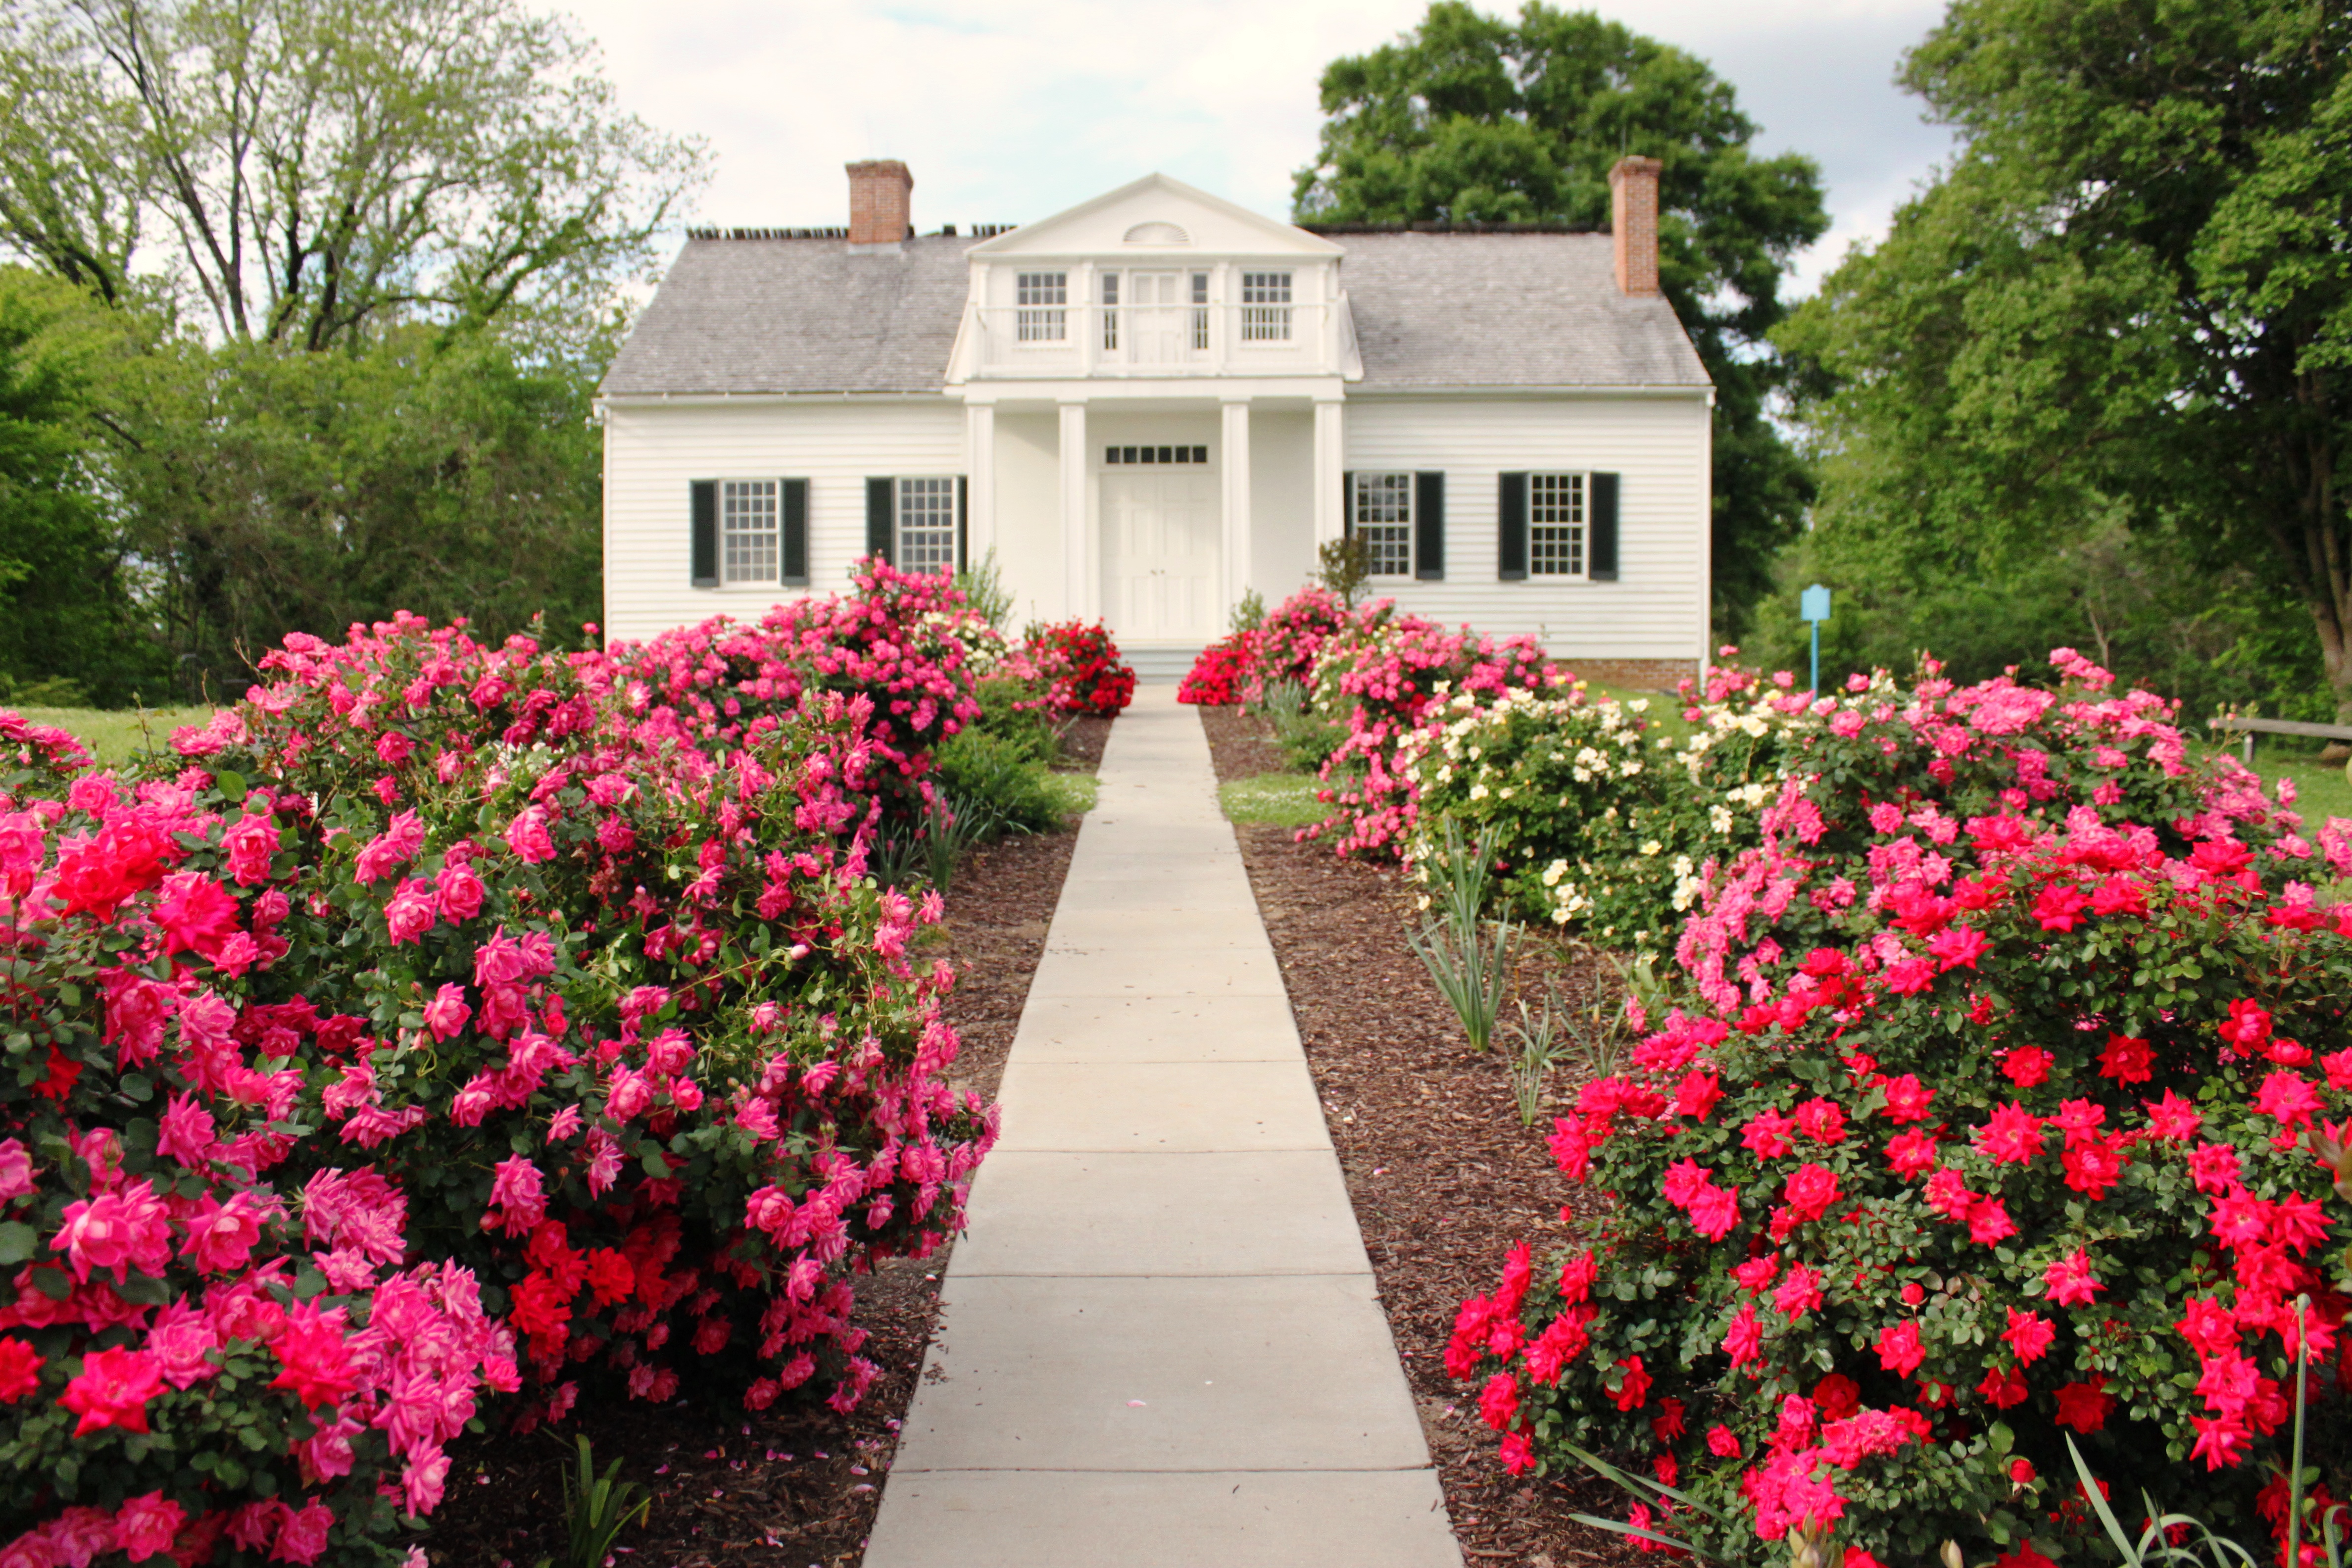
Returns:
(1156,507)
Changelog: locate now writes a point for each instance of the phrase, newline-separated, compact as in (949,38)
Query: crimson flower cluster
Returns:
(1216,677)
(1080,665)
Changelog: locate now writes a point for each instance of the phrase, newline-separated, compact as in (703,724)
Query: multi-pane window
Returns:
(748,530)
(1556,525)
(1265,307)
(1111,312)
(1380,512)
(927,525)
(1200,312)
(1042,301)
(1122,455)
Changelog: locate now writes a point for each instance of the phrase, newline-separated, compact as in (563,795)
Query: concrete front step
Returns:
(1154,662)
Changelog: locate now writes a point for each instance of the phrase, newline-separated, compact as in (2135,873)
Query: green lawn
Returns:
(1285,800)
(114,737)
(1076,790)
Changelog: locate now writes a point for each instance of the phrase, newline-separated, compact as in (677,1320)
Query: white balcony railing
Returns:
(1055,341)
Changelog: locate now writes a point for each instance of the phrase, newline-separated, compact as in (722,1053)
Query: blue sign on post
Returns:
(1813,605)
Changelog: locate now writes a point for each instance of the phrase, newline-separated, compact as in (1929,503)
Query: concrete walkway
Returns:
(1160,1345)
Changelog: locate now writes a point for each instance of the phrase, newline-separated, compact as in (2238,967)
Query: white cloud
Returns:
(1011,110)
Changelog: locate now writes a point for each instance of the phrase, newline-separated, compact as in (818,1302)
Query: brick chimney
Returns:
(1633,223)
(879,204)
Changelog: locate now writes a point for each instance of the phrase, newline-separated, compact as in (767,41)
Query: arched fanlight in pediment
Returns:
(1157,234)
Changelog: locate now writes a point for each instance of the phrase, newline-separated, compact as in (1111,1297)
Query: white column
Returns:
(1237,533)
(980,469)
(1330,465)
(1078,584)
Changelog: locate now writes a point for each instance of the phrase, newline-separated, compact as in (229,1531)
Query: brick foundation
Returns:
(1634,674)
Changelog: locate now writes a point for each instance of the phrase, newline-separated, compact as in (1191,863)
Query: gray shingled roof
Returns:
(1431,310)
(798,315)
(1505,310)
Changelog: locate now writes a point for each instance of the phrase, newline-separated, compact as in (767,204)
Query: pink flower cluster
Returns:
(604,916)
(1385,671)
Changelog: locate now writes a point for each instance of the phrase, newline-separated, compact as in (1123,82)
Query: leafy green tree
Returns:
(310,172)
(2126,303)
(68,619)
(1471,118)
(271,491)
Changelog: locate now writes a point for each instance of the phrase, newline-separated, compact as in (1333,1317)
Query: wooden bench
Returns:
(2283,727)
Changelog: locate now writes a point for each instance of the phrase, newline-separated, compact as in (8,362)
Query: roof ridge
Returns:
(1329,228)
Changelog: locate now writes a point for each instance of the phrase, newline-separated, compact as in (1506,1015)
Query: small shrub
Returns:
(998,784)
(1216,675)
(1343,566)
(1014,709)
(1080,665)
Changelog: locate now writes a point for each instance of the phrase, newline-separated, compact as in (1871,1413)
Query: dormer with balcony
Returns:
(1155,282)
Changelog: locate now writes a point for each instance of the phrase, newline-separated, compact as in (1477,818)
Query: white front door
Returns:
(1157,323)
(1161,530)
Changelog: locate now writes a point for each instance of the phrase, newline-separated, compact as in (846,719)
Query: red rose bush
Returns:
(1217,674)
(2009,1099)
(461,1034)
(1080,665)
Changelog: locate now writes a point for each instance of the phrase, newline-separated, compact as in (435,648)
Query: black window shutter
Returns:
(963,527)
(1429,527)
(1348,506)
(881,508)
(795,571)
(702,532)
(1511,535)
(1601,532)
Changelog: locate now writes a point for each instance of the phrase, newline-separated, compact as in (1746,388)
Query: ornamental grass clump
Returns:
(2036,1125)
(460,1034)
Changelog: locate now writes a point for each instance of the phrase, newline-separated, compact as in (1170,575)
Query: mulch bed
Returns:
(1442,1176)
(797,1485)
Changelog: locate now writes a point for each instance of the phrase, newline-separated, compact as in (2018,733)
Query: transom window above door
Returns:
(1129,454)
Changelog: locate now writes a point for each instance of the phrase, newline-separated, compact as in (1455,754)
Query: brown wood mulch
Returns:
(800,1484)
(1442,1176)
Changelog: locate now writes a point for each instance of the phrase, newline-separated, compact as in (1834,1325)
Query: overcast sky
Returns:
(1008,111)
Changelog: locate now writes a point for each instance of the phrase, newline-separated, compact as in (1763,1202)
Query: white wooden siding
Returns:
(1657,609)
(652,454)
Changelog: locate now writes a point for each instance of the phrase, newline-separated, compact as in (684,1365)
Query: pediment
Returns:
(1156,216)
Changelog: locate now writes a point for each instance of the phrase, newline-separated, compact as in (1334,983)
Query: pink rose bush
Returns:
(1383,671)
(2009,1099)
(460,1033)
(1286,643)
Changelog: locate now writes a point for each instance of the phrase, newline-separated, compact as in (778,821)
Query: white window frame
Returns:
(1041,307)
(1377,491)
(1566,556)
(1267,299)
(1110,290)
(750,553)
(933,496)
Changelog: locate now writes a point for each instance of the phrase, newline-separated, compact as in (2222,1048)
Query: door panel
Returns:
(1160,553)
(1157,323)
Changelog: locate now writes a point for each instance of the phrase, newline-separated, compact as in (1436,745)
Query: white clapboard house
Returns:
(1157,401)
